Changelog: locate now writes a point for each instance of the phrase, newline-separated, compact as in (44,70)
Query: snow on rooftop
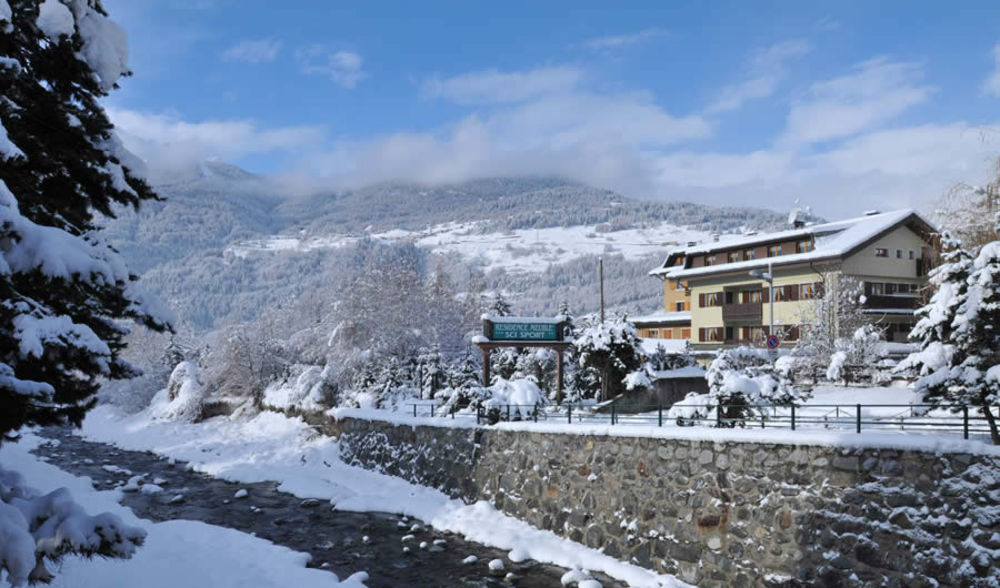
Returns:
(535,320)
(662,317)
(831,240)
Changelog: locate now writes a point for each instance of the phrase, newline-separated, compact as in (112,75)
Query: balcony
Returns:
(742,312)
(892,301)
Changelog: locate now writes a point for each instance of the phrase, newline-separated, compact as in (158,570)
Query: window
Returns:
(782,293)
(748,254)
(710,334)
(803,246)
(734,256)
(679,306)
(890,288)
(912,254)
(881,252)
(730,297)
(709,260)
(875,288)
(755,333)
(685,333)
(710,299)
(810,291)
(654,333)
(748,296)
(774,250)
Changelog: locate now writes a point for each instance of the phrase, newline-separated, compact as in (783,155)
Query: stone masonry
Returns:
(718,514)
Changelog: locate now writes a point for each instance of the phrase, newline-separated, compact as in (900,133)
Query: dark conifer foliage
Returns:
(64,294)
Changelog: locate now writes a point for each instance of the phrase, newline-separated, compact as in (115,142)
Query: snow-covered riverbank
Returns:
(274,447)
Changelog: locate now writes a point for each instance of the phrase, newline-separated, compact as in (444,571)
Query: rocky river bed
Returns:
(395,551)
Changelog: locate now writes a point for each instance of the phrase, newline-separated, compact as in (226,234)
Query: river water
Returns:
(395,551)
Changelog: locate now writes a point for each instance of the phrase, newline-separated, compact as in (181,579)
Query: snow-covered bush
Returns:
(523,396)
(38,528)
(693,408)
(858,359)
(743,379)
(307,387)
(663,360)
(184,396)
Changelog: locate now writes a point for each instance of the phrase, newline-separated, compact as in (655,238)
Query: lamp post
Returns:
(768,277)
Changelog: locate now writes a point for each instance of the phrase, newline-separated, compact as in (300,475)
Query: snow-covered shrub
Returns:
(859,358)
(743,379)
(38,528)
(638,380)
(307,387)
(523,396)
(693,408)
(184,396)
(663,360)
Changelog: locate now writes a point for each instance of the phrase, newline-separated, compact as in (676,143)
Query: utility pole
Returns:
(600,265)
(770,298)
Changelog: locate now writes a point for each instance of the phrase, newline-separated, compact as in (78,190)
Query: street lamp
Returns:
(768,277)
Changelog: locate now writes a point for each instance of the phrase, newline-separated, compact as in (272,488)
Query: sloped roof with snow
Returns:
(662,317)
(832,241)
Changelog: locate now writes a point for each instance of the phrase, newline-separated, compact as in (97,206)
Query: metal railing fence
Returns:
(954,418)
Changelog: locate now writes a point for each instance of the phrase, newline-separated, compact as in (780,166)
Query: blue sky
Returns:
(844,106)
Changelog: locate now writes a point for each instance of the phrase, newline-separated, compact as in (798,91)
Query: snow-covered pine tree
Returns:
(612,350)
(959,330)
(63,292)
(499,306)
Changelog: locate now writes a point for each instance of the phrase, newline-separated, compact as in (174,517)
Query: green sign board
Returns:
(525,332)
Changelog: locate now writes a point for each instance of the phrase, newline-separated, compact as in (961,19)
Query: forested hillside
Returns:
(184,245)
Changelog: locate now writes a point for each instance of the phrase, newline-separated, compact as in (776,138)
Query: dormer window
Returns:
(748,254)
(774,250)
(881,252)
(803,246)
(710,260)
(734,256)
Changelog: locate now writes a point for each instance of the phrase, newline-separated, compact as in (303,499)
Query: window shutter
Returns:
(765,294)
(794,292)
(701,300)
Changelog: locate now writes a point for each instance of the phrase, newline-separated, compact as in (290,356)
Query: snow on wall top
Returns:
(831,240)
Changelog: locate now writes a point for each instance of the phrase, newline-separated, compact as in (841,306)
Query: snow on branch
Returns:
(35,528)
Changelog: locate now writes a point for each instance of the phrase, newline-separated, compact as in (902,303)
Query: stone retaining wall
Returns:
(718,514)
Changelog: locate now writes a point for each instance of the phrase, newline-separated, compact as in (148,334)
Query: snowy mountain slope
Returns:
(521,250)
(224,243)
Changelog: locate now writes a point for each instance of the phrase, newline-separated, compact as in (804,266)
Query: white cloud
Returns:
(992,84)
(169,144)
(496,86)
(258,51)
(342,67)
(894,168)
(611,42)
(765,71)
(876,91)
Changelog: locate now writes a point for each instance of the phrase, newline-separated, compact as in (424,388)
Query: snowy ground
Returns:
(274,447)
(176,553)
(529,250)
